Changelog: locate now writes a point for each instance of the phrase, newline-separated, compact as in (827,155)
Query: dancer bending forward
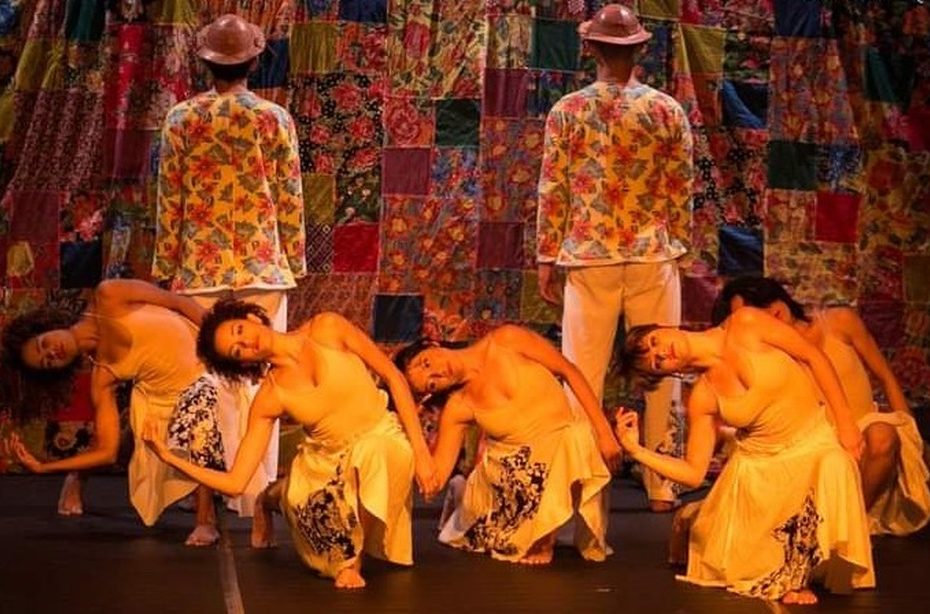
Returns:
(787,508)
(541,465)
(348,490)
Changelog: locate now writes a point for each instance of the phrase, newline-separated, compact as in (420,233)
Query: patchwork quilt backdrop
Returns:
(421,125)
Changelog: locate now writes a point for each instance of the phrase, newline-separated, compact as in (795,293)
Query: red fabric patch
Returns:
(505,92)
(837,217)
(697,298)
(355,248)
(127,153)
(918,129)
(33,215)
(406,171)
(500,245)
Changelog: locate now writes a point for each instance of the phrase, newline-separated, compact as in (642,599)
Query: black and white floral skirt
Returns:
(193,431)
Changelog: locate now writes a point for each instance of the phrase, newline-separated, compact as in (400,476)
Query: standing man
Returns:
(230,207)
(614,210)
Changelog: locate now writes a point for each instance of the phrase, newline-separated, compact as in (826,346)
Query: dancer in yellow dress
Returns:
(541,465)
(787,508)
(132,331)
(348,490)
(894,475)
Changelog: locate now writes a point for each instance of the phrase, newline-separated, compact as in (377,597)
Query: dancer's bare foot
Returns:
(802,597)
(203,535)
(70,501)
(262,526)
(350,577)
(540,553)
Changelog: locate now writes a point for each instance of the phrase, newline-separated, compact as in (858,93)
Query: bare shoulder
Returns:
(842,318)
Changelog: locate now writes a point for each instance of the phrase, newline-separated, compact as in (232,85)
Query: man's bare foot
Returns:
(350,578)
(540,553)
(661,507)
(802,597)
(70,501)
(262,527)
(203,535)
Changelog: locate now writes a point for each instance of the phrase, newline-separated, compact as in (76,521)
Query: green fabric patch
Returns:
(85,20)
(319,198)
(556,45)
(314,47)
(889,77)
(457,122)
(792,165)
(173,12)
(7,115)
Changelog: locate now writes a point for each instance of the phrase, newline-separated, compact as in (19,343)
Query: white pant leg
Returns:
(236,399)
(654,297)
(590,315)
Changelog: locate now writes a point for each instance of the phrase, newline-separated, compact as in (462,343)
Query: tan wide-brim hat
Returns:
(614,24)
(230,39)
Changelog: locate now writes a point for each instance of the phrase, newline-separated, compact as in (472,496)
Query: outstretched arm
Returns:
(106,432)
(360,344)
(264,411)
(702,435)
(537,348)
(122,293)
(848,322)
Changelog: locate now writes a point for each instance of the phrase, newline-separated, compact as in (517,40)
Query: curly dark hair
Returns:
(756,292)
(228,368)
(40,391)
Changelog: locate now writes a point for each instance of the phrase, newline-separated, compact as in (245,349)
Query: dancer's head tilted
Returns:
(235,340)
(753,291)
(429,366)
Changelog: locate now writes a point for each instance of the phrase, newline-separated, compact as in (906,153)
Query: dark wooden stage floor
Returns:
(106,561)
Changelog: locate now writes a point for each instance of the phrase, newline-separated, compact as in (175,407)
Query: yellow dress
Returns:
(787,507)
(162,364)
(355,449)
(521,488)
(904,507)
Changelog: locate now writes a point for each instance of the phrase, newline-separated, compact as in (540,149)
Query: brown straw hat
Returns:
(230,39)
(614,24)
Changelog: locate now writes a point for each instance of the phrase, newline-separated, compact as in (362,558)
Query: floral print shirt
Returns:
(230,203)
(615,184)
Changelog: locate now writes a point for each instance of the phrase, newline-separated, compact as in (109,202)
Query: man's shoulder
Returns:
(658,97)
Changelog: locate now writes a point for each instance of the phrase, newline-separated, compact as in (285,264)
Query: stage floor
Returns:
(106,561)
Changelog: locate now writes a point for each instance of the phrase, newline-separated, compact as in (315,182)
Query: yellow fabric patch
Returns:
(703,46)
(313,47)
(662,9)
(319,197)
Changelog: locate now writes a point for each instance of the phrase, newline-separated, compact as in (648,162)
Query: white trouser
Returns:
(235,400)
(642,293)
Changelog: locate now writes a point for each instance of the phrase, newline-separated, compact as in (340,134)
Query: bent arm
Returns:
(453,421)
(127,292)
(106,429)
(702,436)
(264,411)
(849,322)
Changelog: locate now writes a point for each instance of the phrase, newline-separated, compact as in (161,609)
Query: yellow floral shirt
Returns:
(230,203)
(615,184)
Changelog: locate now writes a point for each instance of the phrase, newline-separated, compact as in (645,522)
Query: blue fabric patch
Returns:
(800,18)
(9,16)
(745,105)
(398,317)
(81,263)
(273,64)
(740,251)
(369,11)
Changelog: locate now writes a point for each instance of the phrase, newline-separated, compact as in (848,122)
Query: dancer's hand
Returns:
(427,479)
(628,429)
(548,293)
(852,441)
(610,451)
(151,438)
(14,448)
